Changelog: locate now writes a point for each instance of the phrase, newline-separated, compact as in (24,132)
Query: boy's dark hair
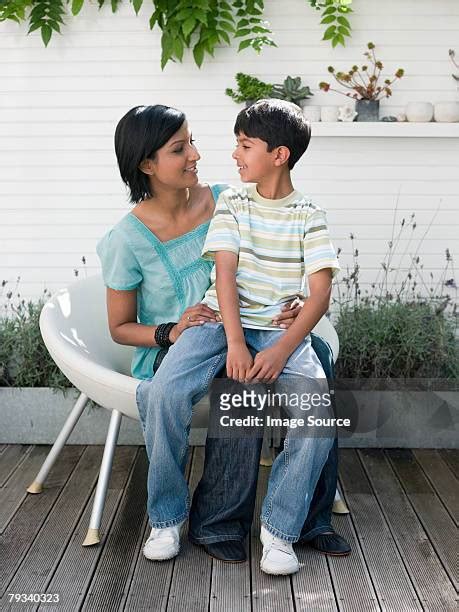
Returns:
(278,123)
(139,134)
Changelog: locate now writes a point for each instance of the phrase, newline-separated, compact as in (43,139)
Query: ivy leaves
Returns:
(338,27)
(46,16)
(203,25)
(199,25)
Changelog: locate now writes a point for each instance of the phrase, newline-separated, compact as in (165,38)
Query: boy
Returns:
(264,238)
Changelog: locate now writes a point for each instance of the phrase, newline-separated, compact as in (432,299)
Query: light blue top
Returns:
(169,276)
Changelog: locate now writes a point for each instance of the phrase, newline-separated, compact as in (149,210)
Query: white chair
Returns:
(74,327)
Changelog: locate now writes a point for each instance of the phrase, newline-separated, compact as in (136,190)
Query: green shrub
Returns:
(396,340)
(24,359)
(395,331)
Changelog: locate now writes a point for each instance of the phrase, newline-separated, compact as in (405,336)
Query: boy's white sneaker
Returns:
(278,555)
(163,544)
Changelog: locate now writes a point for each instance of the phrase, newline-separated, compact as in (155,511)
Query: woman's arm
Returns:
(123,326)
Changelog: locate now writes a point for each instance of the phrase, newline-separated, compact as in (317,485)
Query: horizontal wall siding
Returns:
(59,185)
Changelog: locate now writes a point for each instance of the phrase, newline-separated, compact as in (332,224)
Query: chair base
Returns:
(339,507)
(92,537)
(35,487)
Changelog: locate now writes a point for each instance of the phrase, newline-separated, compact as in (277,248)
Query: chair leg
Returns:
(266,457)
(37,485)
(339,505)
(92,537)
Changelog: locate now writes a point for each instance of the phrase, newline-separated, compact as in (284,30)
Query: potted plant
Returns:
(249,89)
(363,85)
(398,366)
(291,90)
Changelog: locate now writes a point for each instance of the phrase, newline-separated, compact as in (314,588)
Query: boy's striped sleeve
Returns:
(223,233)
(319,252)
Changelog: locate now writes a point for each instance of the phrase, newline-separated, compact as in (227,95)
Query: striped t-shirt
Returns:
(279,243)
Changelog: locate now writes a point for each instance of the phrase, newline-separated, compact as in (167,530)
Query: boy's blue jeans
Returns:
(165,407)
(224,500)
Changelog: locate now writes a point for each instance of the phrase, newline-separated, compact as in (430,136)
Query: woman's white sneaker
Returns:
(163,544)
(278,555)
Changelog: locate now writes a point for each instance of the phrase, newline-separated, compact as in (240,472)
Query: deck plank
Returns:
(273,593)
(441,479)
(432,583)
(70,584)
(451,457)
(45,552)
(312,585)
(351,580)
(15,491)
(10,459)
(108,583)
(191,576)
(28,520)
(390,578)
(149,583)
(436,521)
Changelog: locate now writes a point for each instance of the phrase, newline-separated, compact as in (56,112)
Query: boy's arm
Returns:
(239,360)
(269,363)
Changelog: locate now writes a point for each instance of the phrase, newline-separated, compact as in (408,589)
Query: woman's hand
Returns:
(238,362)
(192,317)
(288,314)
(267,365)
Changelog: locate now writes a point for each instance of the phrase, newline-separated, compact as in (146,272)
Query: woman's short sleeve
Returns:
(120,268)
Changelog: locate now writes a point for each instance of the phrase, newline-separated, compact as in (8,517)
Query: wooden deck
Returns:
(402,529)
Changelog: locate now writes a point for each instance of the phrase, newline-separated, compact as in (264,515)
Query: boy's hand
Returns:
(238,362)
(268,365)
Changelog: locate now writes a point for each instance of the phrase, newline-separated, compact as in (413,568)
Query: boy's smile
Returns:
(253,159)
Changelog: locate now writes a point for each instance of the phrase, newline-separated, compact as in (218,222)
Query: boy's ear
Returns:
(147,166)
(282,156)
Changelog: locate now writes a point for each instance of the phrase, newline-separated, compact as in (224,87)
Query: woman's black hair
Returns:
(139,134)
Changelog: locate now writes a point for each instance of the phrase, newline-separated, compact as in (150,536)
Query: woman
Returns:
(155,280)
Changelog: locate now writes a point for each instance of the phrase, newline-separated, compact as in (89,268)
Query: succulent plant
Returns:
(250,89)
(291,90)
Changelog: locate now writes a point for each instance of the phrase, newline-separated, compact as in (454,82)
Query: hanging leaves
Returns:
(333,11)
(199,25)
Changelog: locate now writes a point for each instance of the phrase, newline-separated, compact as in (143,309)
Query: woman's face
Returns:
(175,163)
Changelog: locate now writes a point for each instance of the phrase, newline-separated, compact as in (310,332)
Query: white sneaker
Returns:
(163,543)
(278,555)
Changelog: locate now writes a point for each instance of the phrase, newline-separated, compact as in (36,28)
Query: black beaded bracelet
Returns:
(162,334)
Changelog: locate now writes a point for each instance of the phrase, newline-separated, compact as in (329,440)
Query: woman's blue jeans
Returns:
(224,500)
(165,408)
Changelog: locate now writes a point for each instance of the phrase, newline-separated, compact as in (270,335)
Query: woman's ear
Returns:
(147,166)
(282,156)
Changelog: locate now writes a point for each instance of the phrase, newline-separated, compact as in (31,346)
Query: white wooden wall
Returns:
(59,185)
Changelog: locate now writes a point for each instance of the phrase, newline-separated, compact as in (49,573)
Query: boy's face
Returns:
(253,159)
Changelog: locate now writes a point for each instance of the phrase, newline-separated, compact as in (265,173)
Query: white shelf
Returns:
(385,129)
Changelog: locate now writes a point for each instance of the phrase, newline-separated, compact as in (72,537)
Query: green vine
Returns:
(199,25)
(333,11)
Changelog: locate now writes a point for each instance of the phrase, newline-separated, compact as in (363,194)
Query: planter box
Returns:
(386,419)
(400,418)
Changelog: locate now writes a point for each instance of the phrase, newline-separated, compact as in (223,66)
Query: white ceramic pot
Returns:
(329,113)
(419,111)
(312,113)
(446,112)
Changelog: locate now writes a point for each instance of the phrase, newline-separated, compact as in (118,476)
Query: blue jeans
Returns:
(165,407)
(224,500)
